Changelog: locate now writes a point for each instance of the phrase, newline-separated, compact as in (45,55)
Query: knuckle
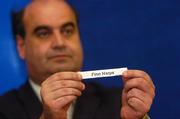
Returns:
(57,75)
(132,101)
(141,81)
(63,84)
(143,73)
(65,90)
(134,91)
(131,93)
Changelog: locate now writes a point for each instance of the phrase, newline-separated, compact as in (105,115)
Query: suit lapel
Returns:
(30,101)
(87,104)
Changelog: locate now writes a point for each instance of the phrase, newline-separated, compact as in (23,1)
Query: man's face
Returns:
(52,42)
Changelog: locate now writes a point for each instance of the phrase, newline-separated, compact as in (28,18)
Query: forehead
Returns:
(48,12)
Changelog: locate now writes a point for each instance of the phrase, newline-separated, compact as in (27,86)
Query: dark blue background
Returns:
(139,34)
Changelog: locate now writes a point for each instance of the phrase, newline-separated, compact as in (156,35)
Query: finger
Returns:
(140,84)
(135,74)
(140,107)
(66,100)
(129,74)
(63,76)
(139,94)
(66,84)
(64,92)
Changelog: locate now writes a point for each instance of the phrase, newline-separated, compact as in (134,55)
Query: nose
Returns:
(58,40)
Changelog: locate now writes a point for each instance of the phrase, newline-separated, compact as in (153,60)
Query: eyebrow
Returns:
(68,24)
(40,28)
(45,27)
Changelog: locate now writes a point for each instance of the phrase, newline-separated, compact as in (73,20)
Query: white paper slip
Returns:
(102,73)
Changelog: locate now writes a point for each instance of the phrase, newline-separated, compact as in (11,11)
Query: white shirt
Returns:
(36,88)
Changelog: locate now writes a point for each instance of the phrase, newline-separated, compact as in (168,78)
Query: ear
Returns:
(21,46)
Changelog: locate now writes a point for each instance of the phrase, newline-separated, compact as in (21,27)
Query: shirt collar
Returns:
(36,88)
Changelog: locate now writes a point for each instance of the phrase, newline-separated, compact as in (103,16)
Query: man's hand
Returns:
(58,92)
(137,95)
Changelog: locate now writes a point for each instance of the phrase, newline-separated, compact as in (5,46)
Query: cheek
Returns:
(77,48)
(79,57)
(36,54)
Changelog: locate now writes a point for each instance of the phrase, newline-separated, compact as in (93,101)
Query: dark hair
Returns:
(18,25)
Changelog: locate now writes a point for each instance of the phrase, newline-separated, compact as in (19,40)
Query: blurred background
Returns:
(143,34)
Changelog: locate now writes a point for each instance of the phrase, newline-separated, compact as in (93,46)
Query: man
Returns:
(48,40)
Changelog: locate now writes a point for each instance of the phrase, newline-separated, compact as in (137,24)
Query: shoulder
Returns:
(11,105)
(9,102)
(12,97)
(9,98)
(20,103)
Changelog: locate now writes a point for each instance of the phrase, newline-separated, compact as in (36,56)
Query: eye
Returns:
(67,31)
(43,34)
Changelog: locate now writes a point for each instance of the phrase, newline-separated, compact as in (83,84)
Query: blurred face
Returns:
(52,42)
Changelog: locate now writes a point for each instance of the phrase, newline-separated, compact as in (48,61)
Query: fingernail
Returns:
(124,73)
(84,86)
(79,76)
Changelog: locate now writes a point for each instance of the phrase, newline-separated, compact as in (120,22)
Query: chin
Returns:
(63,69)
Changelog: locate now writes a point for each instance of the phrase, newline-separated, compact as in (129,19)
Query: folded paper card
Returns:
(102,73)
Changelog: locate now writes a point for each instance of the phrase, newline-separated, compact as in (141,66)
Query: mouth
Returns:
(60,57)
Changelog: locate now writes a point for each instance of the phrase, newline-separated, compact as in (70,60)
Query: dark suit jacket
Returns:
(96,102)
